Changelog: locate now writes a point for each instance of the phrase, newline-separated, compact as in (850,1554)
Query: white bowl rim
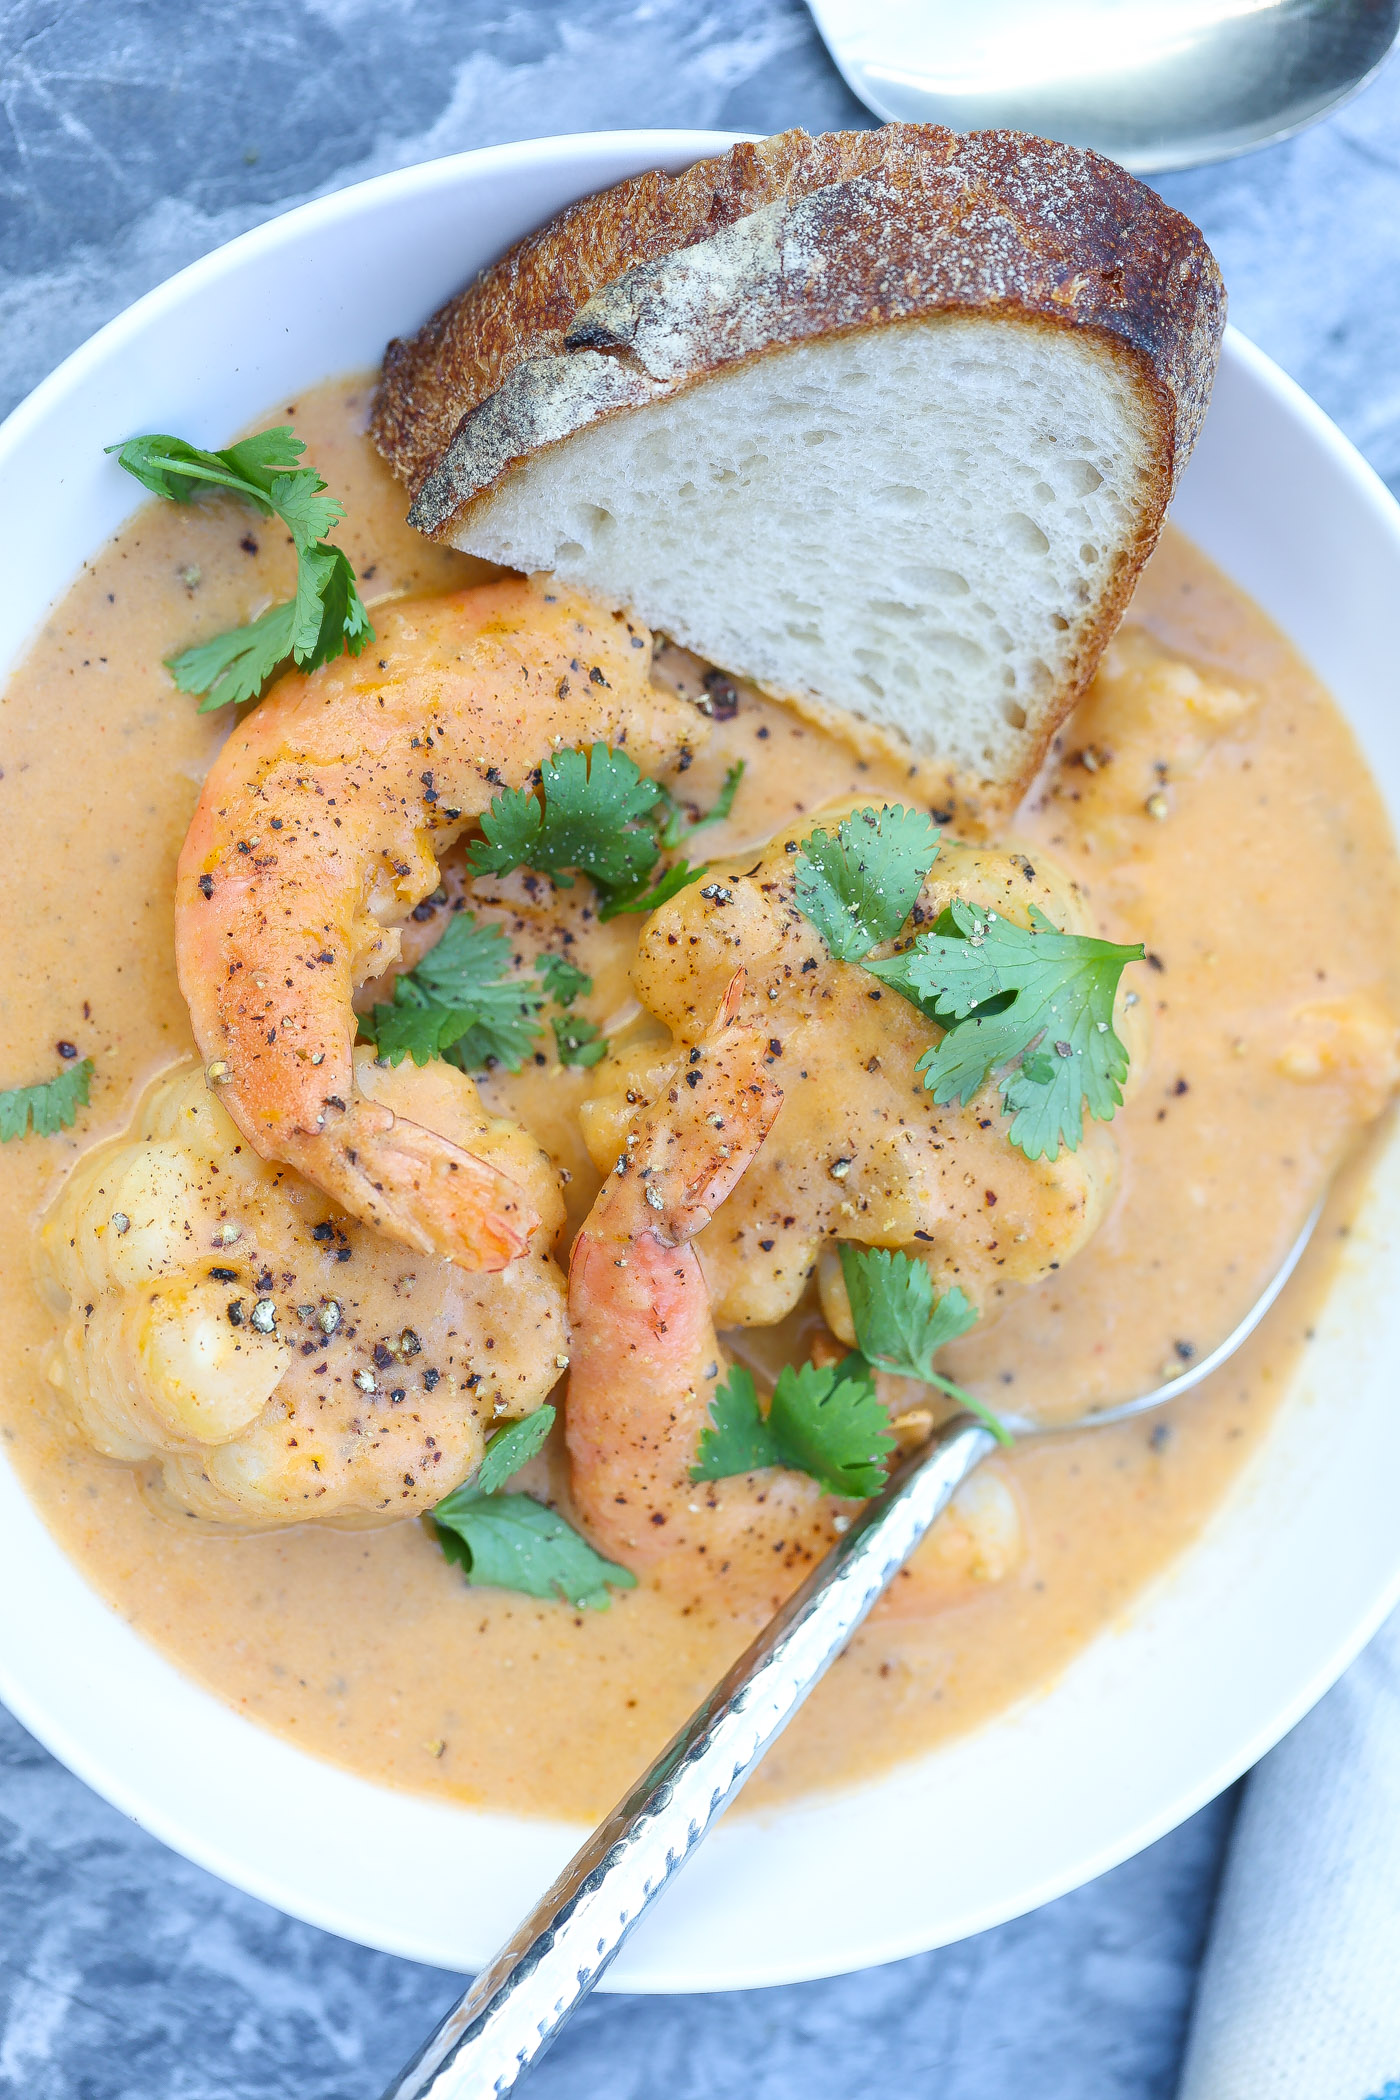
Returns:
(337,205)
(84,1755)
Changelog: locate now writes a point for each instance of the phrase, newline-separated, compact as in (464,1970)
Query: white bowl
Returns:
(1205,1672)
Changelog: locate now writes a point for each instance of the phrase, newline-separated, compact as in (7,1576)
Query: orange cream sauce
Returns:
(1239,836)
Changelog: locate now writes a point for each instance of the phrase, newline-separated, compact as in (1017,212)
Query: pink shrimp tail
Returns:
(644,1353)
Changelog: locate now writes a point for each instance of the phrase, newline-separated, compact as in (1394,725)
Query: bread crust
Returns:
(923,219)
(664,282)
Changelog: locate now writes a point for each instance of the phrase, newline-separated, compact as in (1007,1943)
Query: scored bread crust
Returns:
(1073,238)
(663,282)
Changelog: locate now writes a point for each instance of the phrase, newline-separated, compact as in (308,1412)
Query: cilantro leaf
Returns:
(459,1002)
(466,963)
(738,1439)
(48,1107)
(579,820)
(263,457)
(512,836)
(823,1420)
(339,622)
(901,1326)
(859,887)
(512,1542)
(413,1026)
(171,468)
(235,666)
(578,1042)
(326,617)
(308,515)
(1002,990)
(563,980)
(828,1422)
(511,1448)
(588,816)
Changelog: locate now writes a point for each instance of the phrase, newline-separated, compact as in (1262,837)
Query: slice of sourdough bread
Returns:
(886,421)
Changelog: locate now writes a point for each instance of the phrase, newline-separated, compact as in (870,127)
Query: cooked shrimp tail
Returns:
(686,1165)
(421,1189)
(320,827)
(645,1358)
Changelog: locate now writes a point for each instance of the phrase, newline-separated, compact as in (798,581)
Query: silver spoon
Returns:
(522,1998)
(1157,84)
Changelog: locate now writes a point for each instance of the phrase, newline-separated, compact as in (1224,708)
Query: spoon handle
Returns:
(522,1998)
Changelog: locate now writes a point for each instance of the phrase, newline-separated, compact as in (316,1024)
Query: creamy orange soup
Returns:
(1208,800)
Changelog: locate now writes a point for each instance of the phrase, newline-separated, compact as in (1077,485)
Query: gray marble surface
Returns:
(137,135)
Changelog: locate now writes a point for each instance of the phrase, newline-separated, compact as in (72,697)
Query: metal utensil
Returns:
(1158,84)
(522,1998)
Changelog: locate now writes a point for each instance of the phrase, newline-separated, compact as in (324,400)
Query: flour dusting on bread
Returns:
(896,442)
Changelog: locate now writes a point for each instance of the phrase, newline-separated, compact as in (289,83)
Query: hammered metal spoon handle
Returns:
(520,2000)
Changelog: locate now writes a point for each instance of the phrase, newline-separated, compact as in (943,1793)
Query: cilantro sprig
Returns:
(827,1420)
(589,817)
(824,1420)
(461,1002)
(1032,1003)
(901,1324)
(327,615)
(47,1107)
(1004,993)
(512,1542)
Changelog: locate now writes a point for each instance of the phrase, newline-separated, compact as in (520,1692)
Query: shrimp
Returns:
(268,1358)
(320,824)
(1149,721)
(646,1364)
(645,1360)
(863,1152)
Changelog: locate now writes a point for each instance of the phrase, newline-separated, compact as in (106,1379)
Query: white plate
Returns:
(1160,1713)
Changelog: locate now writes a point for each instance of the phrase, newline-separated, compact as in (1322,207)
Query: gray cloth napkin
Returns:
(1300,1991)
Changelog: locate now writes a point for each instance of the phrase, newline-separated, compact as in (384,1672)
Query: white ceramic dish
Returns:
(1208,1670)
